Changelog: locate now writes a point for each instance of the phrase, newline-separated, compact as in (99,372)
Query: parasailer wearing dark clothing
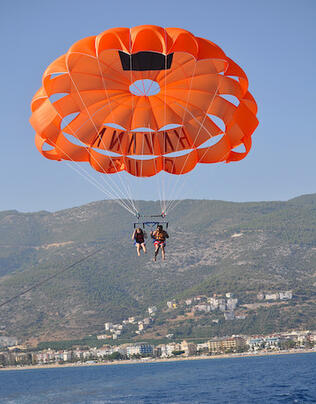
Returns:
(139,237)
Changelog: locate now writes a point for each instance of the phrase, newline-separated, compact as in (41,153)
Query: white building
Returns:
(121,349)
(169,335)
(139,349)
(272,296)
(188,347)
(287,295)
(46,356)
(88,354)
(272,342)
(255,343)
(132,350)
(232,304)
(103,336)
(108,326)
(164,352)
(152,310)
(78,353)
(240,316)
(169,348)
(213,302)
(222,306)
(105,351)
(58,356)
(203,345)
(202,307)
(67,355)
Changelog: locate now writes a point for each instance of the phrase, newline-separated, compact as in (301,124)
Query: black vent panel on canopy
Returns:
(142,61)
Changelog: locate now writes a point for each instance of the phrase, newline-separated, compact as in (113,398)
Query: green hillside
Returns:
(214,247)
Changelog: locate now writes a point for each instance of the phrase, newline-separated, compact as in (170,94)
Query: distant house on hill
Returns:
(202,307)
(231,304)
(272,296)
(287,295)
(152,310)
(103,336)
(172,304)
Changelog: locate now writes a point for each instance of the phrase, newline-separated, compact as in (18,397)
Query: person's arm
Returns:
(133,236)
(166,235)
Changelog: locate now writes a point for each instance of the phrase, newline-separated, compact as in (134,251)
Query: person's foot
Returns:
(154,259)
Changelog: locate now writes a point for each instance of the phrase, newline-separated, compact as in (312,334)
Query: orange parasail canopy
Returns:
(144,100)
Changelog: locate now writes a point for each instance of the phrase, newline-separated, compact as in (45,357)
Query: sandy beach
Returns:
(159,360)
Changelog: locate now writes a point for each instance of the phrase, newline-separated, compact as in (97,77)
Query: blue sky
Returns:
(273,41)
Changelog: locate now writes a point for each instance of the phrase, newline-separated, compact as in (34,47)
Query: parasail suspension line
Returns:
(57,273)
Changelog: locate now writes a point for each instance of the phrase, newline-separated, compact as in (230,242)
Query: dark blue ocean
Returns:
(268,379)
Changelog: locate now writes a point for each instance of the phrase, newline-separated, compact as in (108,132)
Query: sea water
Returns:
(266,379)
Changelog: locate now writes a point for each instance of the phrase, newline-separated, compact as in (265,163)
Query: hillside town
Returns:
(294,341)
(226,307)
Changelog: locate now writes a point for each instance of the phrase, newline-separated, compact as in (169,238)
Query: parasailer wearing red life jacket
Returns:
(159,236)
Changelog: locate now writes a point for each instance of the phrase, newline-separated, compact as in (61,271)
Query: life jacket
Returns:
(160,235)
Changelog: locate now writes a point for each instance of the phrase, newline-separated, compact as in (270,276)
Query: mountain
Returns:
(214,247)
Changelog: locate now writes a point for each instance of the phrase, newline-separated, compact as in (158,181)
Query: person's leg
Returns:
(144,247)
(156,251)
(138,249)
(163,252)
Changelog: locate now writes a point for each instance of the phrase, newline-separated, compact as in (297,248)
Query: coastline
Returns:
(158,360)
